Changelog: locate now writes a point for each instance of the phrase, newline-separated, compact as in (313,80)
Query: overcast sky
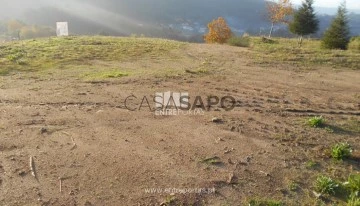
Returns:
(351,4)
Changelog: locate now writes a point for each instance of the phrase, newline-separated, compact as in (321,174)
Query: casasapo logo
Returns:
(175,103)
(179,103)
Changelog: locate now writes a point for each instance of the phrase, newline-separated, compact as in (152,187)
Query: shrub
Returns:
(239,41)
(353,184)
(341,151)
(325,185)
(355,43)
(219,31)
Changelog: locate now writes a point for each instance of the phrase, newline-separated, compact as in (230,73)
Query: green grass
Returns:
(286,51)
(70,52)
(212,161)
(102,75)
(293,186)
(353,201)
(354,44)
(325,185)
(239,41)
(258,202)
(4,71)
(341,151)
(311,164)
(353,184)
(316,121)
(352,125)
(94,52)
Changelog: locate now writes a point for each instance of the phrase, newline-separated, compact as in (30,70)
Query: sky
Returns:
(351,4)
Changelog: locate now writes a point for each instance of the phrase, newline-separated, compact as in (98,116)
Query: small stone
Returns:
(217,120)
(22,173)
(87,203)
(231,179)
(43,130)
(231,162)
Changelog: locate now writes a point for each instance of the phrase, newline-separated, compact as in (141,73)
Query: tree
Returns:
(305,21)
(3,28)
(34,31)
(337,36)
(278,12)
(219,31)
(14,27)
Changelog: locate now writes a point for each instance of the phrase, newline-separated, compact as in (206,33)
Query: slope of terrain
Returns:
(62,102)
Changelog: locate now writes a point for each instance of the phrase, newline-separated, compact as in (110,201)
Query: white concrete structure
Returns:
(62,29)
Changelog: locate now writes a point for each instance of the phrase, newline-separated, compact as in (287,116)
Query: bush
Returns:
(239,41)
(355,43)
(219,31)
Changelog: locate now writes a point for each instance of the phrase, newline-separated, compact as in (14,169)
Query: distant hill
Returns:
(183,20)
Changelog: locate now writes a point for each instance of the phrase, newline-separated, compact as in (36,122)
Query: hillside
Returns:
(76,107)
(185,20)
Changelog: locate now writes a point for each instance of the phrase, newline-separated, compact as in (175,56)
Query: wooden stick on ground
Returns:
(32,167)
(60,181)
(74,144)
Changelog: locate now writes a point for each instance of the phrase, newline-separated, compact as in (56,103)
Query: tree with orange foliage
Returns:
(278,12)
(219,31)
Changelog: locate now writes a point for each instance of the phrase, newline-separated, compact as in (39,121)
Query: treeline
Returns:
(302,21)
(158,18)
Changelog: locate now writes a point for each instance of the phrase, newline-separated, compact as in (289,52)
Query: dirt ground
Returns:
(81,132)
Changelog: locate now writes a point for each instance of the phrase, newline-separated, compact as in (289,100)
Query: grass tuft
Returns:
(325,185)
(212,161)
(341,151)
(316,121)
(293,186)
(311,164)
(353,184)
(105,75)
(257,202)
(353,201)
(239,41)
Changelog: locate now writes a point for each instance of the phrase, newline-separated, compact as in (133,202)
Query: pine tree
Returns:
(337,36)
(305,21)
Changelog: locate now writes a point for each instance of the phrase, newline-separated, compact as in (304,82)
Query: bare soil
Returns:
(81,132)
